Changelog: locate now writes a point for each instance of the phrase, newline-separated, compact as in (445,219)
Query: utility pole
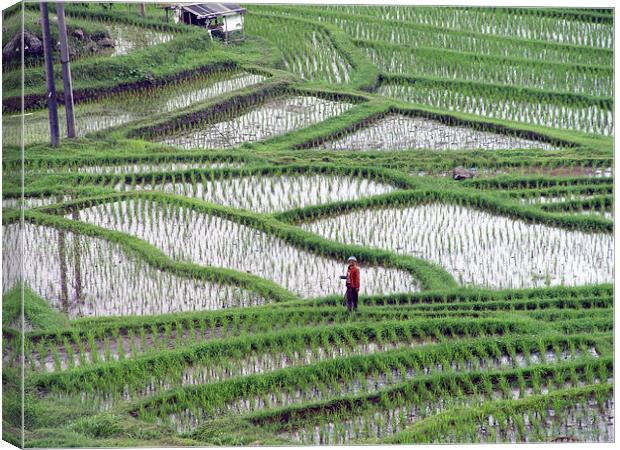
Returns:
(52,107)
(66,69)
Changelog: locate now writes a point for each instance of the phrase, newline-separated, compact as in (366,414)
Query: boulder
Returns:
(32,46)
(78,33)
(105,42)
(461,173)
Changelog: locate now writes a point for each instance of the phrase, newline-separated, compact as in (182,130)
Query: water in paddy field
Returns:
(364,383)
(118,109)
(479,248)
(399,132)
(187,235)
(272,193)
(276,116)
(128,38)
(146,167)
(87,276)
(585,118)
(33,202)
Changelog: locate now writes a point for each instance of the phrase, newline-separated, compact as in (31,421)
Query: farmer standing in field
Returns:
(353,283)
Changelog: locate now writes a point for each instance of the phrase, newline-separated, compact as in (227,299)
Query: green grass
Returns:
(37,313)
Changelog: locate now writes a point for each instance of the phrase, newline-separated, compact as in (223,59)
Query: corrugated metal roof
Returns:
(210,10)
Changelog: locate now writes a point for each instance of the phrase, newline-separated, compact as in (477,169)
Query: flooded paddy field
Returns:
(269,193)
(189,290)
(276,116)
(478,248)
(85,276)
(147,167)
(212,241)
(375,421)
(399,132)
(361,384)
(129,38)
(586,118)
(125,107)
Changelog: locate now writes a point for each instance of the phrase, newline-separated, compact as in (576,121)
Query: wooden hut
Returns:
(222,20)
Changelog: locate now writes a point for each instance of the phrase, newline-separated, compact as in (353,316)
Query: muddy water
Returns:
(86,276)
(128,38)
(187,235)
(276,116)
(479,248)
(399,132)
(126,107)
(267,194)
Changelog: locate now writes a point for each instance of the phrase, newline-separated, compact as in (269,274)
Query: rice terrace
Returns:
(173,274)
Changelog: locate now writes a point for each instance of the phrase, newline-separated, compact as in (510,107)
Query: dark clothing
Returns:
(351,298)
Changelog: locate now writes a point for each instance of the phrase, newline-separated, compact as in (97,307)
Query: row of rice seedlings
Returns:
(85,276)
(482,169)
(458,297)
(187,235)
(89,346)
(223,359)
(375,27)
(572,170)
(400,132)
(127,106)
(581,116)
(333,379)
(33,202)
(388,412)
(576,190)
(566,415)
(520,305)
(147,167)
(588,80)
(587,419)
(601,205)
(307,49)
(263,194)
(545,180)
(492,21)
(267,118)
(476,247)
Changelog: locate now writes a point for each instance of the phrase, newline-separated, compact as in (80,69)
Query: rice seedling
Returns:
(266,194)
(399,132)
(474,245)
(128,106)
(274,117)
(308,50)
(104,280)
(587,116)
(186,247)
(235,246)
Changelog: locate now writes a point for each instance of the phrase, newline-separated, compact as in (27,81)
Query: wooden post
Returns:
(52,107)
(66,69)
